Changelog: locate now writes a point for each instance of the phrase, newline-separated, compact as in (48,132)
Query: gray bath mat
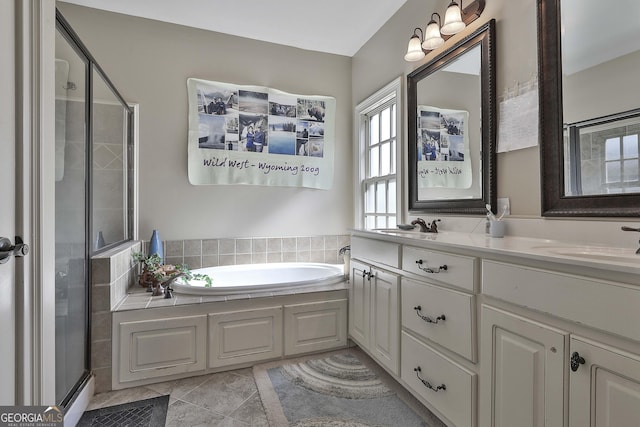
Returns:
(143,413)
(336,389)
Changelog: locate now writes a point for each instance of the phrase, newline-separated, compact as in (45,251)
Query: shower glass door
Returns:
(72,242)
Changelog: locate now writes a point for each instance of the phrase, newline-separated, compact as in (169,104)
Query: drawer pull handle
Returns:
(427,384)
(576,361)
(429,269)
(428,319)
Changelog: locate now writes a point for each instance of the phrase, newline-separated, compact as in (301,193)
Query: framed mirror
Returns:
(451,125)
(588,59)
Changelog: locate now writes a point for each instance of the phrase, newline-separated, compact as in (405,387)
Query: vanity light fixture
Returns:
(455,20)
(414,51)
(453,23)
(432,37)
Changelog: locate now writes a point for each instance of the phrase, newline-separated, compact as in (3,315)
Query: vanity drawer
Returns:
(601,304)
(459,269)
(455,332)
(377,251)
(457,401)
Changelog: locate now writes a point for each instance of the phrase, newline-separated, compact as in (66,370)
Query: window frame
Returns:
(601,129)
(376,103)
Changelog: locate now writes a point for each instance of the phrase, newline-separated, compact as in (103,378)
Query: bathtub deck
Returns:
(138,298)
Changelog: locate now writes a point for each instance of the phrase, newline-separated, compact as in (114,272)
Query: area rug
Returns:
(143,413)
(337,389)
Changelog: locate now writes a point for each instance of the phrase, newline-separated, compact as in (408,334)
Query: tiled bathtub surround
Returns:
(256,250)
(113,272)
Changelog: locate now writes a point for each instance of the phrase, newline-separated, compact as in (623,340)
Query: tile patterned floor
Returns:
(226,399)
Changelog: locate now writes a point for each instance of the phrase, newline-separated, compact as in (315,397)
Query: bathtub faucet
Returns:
(168,290)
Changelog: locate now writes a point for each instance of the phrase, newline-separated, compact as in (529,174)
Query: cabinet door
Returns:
(359,303)
(156,348)
(245,336)
(385,335)
(315,326)
(522,371)
(604,391)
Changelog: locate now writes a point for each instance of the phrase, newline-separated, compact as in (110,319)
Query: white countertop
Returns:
(608,258)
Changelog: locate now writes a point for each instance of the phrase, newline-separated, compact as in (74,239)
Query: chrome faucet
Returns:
(424,227)
(166,285)
(421,223)
(625,228)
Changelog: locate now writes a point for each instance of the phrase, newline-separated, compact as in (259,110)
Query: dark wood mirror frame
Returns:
(554,201)
(485,36)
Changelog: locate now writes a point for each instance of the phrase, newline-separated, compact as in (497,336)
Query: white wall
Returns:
(149,62)
(585,94)
(381,59)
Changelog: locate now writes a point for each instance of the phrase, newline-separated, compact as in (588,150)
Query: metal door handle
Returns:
(7,250)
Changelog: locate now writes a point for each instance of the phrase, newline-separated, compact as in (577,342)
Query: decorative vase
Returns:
(99,241)
(155,246)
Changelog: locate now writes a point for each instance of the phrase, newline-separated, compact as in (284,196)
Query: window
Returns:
(377,154)
(602,156)
(621,164)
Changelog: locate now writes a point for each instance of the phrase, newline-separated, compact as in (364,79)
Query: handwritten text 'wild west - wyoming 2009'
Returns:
(265,167)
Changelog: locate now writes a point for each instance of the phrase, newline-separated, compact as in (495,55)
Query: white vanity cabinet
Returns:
(523,371)
(373,313)
(538,365)
(385,332)
(501,333)
(374,316)
(413,310)
(604,389)
(438,325)
(359,303)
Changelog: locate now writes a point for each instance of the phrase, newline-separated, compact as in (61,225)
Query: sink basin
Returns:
(596,253)
(416,234)
(398,232)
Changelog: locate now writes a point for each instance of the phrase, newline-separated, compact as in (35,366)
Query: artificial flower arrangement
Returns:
(157,277)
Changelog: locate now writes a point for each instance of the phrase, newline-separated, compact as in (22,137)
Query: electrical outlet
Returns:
(503,206)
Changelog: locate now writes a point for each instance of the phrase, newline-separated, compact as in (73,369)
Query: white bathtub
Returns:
(252,278)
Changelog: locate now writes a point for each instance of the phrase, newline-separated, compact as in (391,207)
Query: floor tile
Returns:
(183,414)
(178,388)
(246,372)
(251,412)
(222,393)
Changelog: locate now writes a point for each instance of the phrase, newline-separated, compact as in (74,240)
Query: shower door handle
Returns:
(7,250)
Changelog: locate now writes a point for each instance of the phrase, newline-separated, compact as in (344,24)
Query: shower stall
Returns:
(93,194)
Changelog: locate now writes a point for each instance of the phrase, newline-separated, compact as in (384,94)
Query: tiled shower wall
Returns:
(256,250)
